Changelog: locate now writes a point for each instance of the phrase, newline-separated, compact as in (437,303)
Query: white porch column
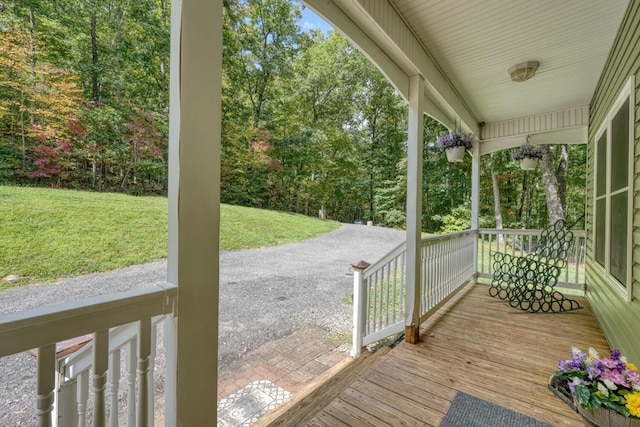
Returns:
(475,185)
(475,197)
(194,204)
(414,207)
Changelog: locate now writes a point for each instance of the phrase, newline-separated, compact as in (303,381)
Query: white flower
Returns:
(593,353)
(603,389)
(610,385)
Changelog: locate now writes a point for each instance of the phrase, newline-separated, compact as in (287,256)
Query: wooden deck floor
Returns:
(475,344)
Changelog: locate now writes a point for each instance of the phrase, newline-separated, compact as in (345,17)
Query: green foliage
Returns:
(308,123)
(49,234)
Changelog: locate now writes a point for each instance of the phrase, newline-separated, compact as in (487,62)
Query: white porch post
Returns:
(194,205)
(414,207)
(475,198)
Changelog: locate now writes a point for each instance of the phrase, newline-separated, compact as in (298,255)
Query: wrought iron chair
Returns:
(528,282)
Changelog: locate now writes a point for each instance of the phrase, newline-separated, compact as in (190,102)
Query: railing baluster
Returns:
(114,381)
(46,384)
(131,360)
(144,351)
(152,359)
(83,397)
(100,367)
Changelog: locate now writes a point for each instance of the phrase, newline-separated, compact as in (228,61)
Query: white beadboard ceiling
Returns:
(475,42)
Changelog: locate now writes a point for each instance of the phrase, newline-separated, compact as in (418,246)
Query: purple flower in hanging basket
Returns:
(527,151)
(453,139)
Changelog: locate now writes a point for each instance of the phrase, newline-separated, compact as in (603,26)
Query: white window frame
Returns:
(627,92)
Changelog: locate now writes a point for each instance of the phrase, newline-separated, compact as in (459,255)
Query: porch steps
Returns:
(303,406)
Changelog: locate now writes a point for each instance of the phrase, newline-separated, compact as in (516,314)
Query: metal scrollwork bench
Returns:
(528,282)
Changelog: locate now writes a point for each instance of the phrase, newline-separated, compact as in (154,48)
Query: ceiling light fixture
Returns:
(524,71)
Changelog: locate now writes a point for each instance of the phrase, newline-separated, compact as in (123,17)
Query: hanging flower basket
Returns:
(455,144)
(455,154)
(527,155)
(528,164)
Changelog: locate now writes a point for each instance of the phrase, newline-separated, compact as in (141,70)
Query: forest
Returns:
(309,124)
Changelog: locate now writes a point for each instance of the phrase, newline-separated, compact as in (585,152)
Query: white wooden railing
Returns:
(42,328)
(523,242)
(379,289)
(448,262)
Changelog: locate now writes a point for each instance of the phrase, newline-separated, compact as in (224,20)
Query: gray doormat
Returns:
(470,411)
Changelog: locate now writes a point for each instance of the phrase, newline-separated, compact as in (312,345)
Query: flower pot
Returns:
(603,417)
(528,163)
(455,154)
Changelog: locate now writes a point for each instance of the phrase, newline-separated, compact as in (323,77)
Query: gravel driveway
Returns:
(265,294)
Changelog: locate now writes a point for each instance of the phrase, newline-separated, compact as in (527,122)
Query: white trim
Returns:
(626,94)
(414,200)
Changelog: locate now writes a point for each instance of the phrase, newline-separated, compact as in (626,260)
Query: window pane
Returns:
(599,245)
(620,148)
(601,166)
(618,240)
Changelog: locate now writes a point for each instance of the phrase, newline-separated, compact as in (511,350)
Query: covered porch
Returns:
(473,344)
(470,342)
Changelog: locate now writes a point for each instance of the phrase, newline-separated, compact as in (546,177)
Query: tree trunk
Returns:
(496,204)
(32,30)
(94,59)
(163,58)
(550,183)
(561,175)
(523,195)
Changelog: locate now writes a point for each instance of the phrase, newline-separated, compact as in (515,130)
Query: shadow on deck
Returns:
(475,344)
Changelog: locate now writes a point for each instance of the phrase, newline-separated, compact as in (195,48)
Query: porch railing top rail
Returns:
(35,328)
(448,236)
(402,247)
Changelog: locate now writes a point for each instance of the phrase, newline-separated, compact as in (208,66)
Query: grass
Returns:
(48,234)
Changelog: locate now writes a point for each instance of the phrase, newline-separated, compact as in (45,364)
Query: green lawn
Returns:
(46,234)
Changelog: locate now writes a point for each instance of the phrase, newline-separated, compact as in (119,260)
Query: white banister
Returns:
(83,398)
(114,382)
(131,360)
(144,352)
(62,397)
(523,242)
(99,379)
(46,384)
(379,289)
(359,307)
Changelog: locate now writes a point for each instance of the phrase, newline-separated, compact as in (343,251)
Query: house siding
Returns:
(618,318)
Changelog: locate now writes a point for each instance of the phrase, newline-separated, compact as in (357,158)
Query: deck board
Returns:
(474,344)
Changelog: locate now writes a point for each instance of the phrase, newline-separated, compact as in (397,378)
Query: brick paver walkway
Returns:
(291,362)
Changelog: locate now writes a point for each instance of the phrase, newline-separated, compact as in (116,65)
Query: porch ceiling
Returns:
(475,43)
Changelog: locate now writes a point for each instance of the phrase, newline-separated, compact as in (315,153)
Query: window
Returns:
(613,196)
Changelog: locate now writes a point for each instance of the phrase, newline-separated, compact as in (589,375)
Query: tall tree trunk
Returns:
(561,175)
(163,58)
(496,204)
(94,59)
(32,48)
(550,183)
(523,195)
(527,223)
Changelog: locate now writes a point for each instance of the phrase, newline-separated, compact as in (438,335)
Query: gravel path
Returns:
(265,294)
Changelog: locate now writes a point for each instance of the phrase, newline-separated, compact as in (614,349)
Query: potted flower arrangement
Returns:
(528,156)
(606,390)
(454,144)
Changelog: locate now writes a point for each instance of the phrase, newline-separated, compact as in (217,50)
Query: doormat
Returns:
(470,411)
(245,406)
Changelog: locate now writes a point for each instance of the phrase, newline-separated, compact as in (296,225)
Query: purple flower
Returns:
(453,139)
(526,151)
(615,354)
(593,372)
